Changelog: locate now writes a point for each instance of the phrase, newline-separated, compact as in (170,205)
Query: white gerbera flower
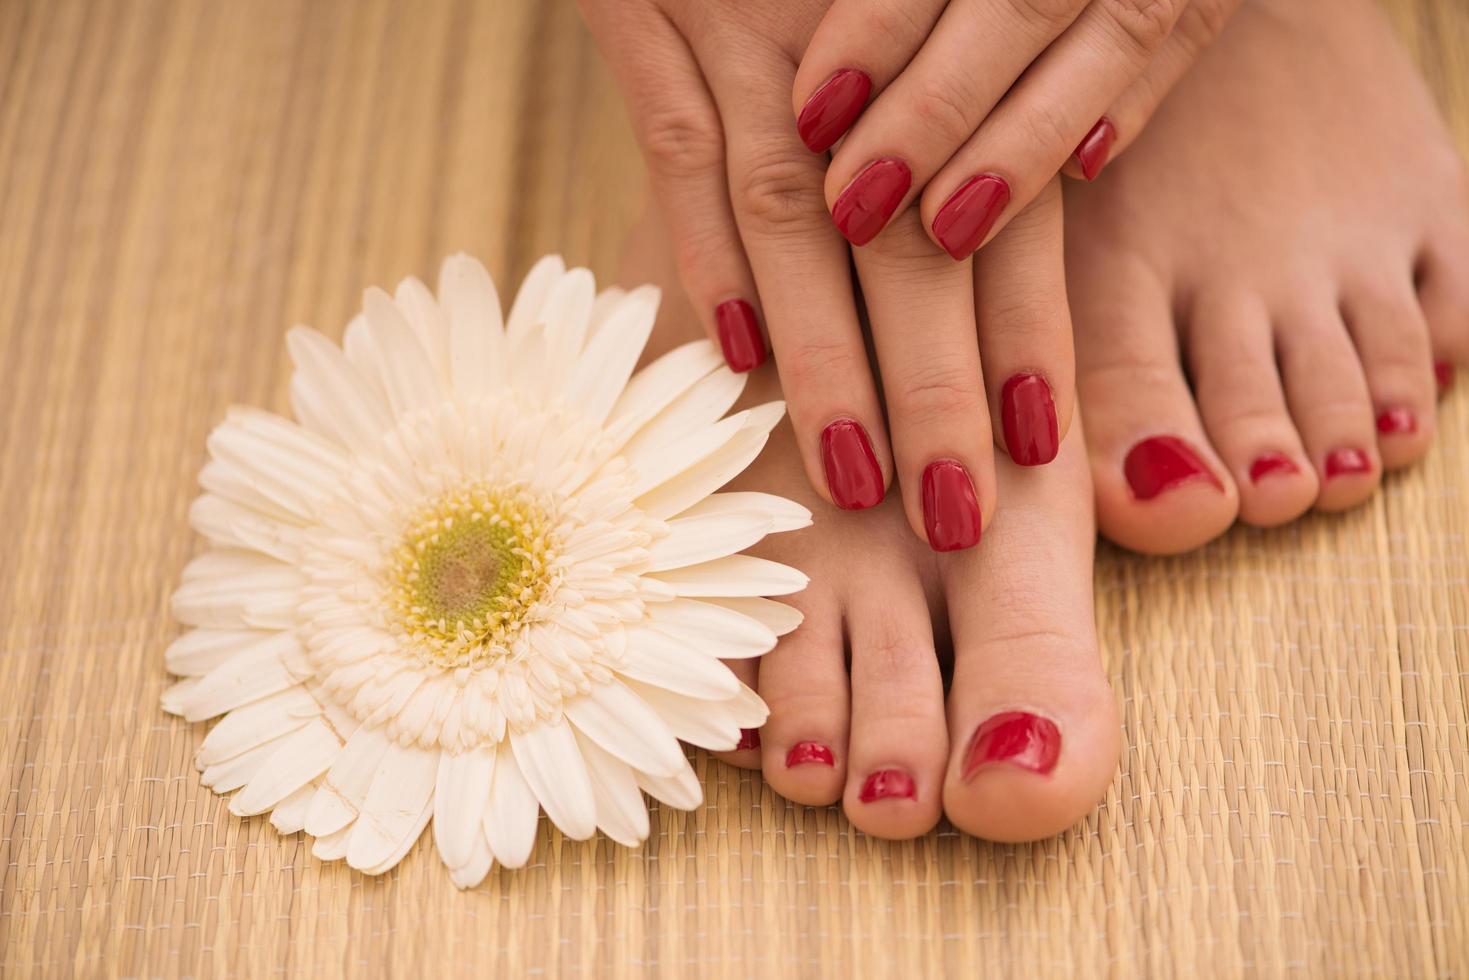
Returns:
(483,573)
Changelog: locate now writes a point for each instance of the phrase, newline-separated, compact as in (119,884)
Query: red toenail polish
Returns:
(1396,422)
(950,509)
(1271,464)
(887,784)
(833,108)
(1017,737)
(1162,463)
(1443,373)
(969,214)
(1029,415)
(861,211)
(739,335)
(803,753)
(1347,462)
(749,738)
(1095,147)
(852,475)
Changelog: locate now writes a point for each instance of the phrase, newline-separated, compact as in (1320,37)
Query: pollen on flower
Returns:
(468,573)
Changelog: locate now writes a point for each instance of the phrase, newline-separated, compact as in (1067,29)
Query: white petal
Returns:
(230,589)
(197,652)
(701,538)
(343,790)
(461,796)
(257,671)
(332,847)
(429,323)
(301,757)
(396,808)
(329,395)
(785,515)
(289,815)
(553,767)
(655,659)
(713,472)
(229,524)
(701,406)
(408,376)
(602,371)
(713,725)
(567,315)
(736,575)
(682,792)
(711,630)
(659,463)
(255,723)
(532,296)
(278,460)
(410,837)
(514,813)
(476,332)
(231,774)
(656,386)
(621,812)
(473,870)
(778,617)
(624,725)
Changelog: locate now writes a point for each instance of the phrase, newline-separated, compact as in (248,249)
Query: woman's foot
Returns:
(1265,287)
(1030,740)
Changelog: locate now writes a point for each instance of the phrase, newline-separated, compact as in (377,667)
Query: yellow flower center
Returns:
(469,569)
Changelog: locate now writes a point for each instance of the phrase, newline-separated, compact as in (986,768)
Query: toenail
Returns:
(1016,737)
(1443,373)
(1029,414)
(853,477)
(832,108)
(1396,422)
(1162,463)
(749,738)
(886,784)
(1347,462)
(864,207)
(1094,148)
(804,753)
(739,335)
(950,509)
(1271,464)
(970,212)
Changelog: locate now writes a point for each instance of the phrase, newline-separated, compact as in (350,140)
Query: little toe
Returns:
(1443,293)
(1391,337)
(803,744)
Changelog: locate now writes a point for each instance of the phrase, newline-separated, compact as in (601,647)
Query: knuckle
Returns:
(898,21)
(936,395)
(1202,21)
(813,358)
(781,191)
(682,142)
(1145,23)
(1045,127)
(1048,16)
(939,106)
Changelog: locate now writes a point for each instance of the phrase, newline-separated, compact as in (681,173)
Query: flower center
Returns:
(470,570)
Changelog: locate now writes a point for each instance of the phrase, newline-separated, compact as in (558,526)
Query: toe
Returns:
(1033,726)
(1443,293)
(1391,337)
(803,744)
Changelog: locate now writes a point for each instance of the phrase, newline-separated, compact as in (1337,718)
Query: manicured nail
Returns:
(871,198)
(1095,147)
(749,738)
(803,753)
(1443,373)
(950,509)
(1029,415)
(969,214)
(852,475)
(1396,422)
(887,784)
(1162,463)
(1269,464)
(1017,737)
(739,335)
(833,108)
(1347,462)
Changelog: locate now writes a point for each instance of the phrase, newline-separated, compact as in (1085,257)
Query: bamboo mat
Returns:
(180,181)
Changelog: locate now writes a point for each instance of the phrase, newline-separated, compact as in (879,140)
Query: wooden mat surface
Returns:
(180,181)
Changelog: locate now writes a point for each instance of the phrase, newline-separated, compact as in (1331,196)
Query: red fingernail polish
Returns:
(1029,416)
(1347,462)
(1095,147)
(739,335)
(1017,737)
(803,753)
(969,214)
(749,738)
(1396,422)
(833,108)
(852,475)
(887,784)
(871,198)
(1267,464)
(950,509)
(1162,463)
(1443,373)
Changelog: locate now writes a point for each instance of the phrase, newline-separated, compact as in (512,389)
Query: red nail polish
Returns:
(887,784)
(1396,422)
(803,753)
(1162,463)
(1029,416)
(833,108)
(1095,147)
(1443,373)
(969,214)
(950,509)
(1017,737)
(749,738)
(1347,462)
(739,335)
(871,198)
(852,475)
(1268,464)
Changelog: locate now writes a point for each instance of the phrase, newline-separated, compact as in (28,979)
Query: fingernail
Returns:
(887,784)
(803,753)
(1347,462)
(1017,737)
(1029,416)
(1162,463)
(871,198)
(833,108)
(852,475)
(1267,464)
(969,214)
(1443,373)
(1095,147)
(950,509)
(749,738)
(739,335)
(1396,422)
